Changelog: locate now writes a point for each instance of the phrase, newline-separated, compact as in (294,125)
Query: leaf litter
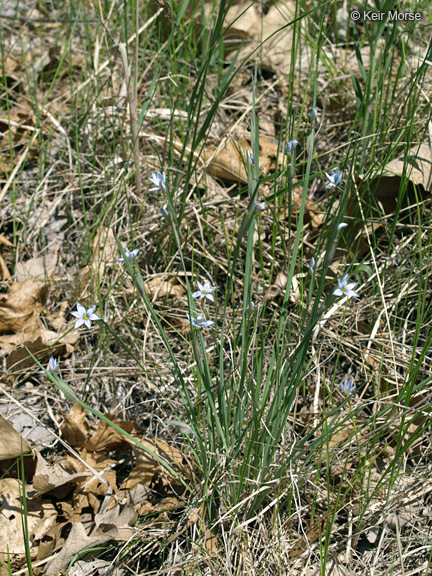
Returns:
(80,500)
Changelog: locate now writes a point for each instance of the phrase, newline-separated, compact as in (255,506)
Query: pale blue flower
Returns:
(313,114)
(348,386)
(204,291)
(260,206)
(85,316)
(129,255)
(251,305)
(158,179)
(199,322)
(251,158)
(334,177)
(342,225)
(346,289)
(53,366)
(291,146)
(312,265)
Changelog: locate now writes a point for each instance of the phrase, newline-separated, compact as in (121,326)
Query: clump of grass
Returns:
(254,380)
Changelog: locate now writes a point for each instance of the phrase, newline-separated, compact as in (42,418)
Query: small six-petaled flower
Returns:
(53,366)
(158,179)
(334,177)
(348,386)
(85,316)
(291,146)
(346,289)
(129,255)
(199,322)
(204,291)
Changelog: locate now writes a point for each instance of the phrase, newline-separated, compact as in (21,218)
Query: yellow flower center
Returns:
(85,317)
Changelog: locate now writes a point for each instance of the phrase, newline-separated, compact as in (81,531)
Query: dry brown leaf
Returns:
(112,525)
(116,522)
(20,308)
(161,287)
(6,275)
(20,319)
(251,27)
(106,438)
(226,163)
(50,537)
(74,430)
(418,169)
(77,541)
(43,344)
(229,162)
(37,269)
(93,488)
(11,527)
(385,188)
(149,472)
(56,478)
(12,444)
(60,321)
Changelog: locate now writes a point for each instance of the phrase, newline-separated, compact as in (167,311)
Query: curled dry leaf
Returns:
(229,161)
(41,343)
(163,287)
(12,538)
(78,540)
(278,288)
(20,308)
(12,444)
(21,327)
(148,471)
(37,269)
(226,163)
(116,523)
(106,438)
(252,28)
(6,275)
(55,478)
(385,187)
(74,430)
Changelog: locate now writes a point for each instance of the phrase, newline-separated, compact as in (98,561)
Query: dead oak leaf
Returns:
(109,527)
(37,269)
(41,343)
(20,308)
